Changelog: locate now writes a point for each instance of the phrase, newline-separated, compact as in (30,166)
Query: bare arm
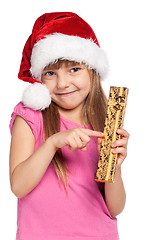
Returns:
(115,195)
(26,166)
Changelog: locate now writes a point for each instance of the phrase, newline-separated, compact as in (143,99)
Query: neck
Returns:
(73,115)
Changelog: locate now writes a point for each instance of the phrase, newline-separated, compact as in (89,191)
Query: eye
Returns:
(76,69)
(49,73)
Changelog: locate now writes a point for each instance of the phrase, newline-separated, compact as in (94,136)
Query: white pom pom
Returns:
(36,96)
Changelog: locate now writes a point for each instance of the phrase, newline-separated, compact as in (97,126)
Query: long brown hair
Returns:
(93,114)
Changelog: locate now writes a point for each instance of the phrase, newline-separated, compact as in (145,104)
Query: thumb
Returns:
(99,142)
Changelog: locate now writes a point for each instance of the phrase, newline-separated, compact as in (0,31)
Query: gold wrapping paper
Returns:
(114,119)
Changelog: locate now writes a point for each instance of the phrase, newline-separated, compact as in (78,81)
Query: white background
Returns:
(128,31)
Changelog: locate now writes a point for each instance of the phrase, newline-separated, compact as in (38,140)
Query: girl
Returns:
(57,131)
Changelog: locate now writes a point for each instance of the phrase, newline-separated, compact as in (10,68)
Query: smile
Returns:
(66,94)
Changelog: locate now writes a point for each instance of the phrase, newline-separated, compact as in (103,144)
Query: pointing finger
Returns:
(93,133)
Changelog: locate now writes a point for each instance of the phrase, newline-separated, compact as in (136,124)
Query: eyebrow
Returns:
(55,67)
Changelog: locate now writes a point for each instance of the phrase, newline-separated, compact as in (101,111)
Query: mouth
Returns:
(66,94)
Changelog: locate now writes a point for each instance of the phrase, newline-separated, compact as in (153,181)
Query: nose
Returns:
(62,80)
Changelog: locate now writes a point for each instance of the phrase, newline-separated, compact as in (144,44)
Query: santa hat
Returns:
(59,35)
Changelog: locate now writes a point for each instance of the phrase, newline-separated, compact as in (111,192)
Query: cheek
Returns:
(85,83)
(50,86)
(87,86)
(87,89)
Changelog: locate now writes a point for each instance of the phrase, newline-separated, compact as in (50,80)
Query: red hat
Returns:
(59,35)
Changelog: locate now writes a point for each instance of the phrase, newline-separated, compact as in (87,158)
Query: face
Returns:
(69,85)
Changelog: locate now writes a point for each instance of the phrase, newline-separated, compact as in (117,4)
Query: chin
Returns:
(68,107)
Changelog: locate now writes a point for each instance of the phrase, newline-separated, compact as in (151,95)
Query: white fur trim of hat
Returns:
(60,46)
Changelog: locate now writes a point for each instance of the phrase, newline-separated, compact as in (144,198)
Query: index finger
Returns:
(93,133)
(123,133)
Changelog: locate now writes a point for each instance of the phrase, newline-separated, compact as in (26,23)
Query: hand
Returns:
(75,138)
(120,147)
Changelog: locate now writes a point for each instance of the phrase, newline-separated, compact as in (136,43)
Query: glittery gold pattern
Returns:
(114,119)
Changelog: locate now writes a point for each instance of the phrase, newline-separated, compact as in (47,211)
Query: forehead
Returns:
(61,63)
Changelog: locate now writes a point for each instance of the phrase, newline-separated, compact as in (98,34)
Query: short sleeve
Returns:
(32,117)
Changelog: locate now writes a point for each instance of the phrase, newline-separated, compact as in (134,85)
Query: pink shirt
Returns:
(47,212)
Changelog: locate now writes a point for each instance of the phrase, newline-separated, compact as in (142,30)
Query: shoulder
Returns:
(32,117)
(25,111)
